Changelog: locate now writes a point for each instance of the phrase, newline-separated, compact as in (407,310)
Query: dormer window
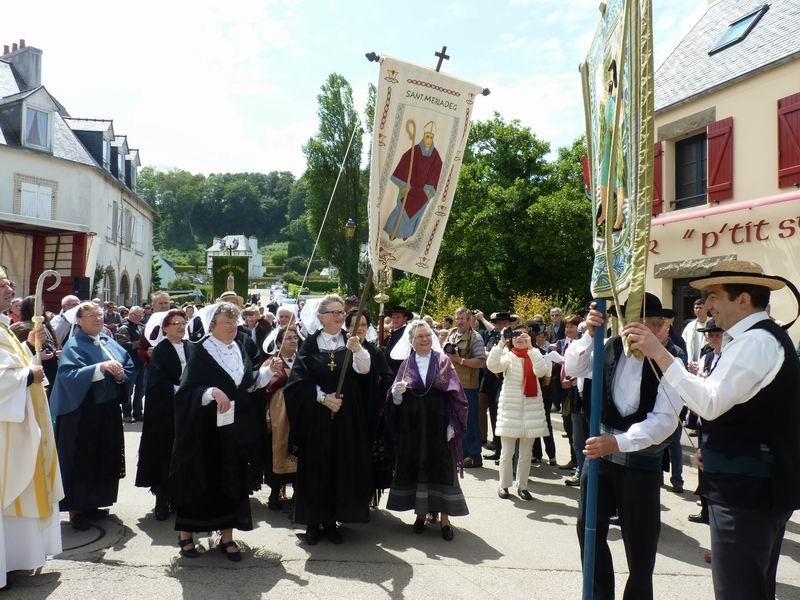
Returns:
(36,129)
(106,154)
(121,166)
(739,29)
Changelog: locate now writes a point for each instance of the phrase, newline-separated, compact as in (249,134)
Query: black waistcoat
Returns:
(648,389)
(769,420)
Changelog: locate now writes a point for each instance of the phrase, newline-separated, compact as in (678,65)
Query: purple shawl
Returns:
(443,378)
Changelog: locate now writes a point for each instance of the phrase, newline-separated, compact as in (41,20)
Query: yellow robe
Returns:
(30,479)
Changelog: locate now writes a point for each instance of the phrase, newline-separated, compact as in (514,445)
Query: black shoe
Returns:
(614,520)
(79,522)
(95,513)
(536,460)
(447,533)
(234,556)
(699,518)
(419,525)
(312,535)
(161,513)
(274,502)
(493,456)
(677,488)
(568,467)
(190,552)
(471,463)
(524,494)
(332,532)
(129,419)
(574,481)
(503,493)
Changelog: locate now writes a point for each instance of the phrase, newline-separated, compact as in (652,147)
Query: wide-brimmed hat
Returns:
(651,308)
(738,271)
(401,309)
(352,299)
(501,316)
(229,296)
(710,327)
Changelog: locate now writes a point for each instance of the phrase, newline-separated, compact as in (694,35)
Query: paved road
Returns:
(503,549)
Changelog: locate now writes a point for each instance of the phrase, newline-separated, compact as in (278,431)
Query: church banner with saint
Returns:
(229,274)
(618,100)
(422,120)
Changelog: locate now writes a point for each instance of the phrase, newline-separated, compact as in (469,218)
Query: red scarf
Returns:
(529,381)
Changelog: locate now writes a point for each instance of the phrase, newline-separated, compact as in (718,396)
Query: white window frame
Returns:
(25,142)
(36,201)
(106,153)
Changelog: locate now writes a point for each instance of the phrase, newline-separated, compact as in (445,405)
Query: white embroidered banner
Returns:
(422,121)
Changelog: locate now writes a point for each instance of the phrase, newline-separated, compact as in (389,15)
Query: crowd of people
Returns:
(235,396)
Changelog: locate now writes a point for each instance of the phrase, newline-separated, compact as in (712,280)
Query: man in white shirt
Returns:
(692,335)
(638,417)
(750,442)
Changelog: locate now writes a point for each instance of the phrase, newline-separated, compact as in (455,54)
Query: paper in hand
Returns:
(226,418)
(554,357)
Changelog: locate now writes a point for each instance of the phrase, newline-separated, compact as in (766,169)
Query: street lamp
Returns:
(349,234)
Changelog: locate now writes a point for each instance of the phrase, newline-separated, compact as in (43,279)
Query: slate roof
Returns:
(8,83)
(689,71)
(89,124)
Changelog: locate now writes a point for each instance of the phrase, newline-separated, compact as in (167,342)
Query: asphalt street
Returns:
(503,549)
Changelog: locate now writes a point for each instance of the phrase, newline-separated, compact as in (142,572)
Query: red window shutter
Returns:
(789,140)
(658,178)
(719,136)
(587,181)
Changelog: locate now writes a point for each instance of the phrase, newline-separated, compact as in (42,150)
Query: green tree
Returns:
(324,152)
(155,276)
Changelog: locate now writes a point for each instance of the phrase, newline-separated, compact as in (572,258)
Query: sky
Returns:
(212,86)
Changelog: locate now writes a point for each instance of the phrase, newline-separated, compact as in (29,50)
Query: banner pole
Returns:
(590,503)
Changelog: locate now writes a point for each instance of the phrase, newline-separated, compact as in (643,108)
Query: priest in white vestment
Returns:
(30,478)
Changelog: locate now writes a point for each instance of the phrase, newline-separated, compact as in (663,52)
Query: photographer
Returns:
(465,349)
(520,414)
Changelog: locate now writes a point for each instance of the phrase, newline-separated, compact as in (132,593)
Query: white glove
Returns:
(450,433)
(398,389)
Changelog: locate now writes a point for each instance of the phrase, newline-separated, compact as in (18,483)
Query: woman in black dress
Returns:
(330,435)
(216,438)
(158,430)
(426,411)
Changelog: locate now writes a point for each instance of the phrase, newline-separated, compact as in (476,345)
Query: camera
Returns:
(48,348)
(509,333)
(449,348)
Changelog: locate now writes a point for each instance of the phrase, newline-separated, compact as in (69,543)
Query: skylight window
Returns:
(739,29)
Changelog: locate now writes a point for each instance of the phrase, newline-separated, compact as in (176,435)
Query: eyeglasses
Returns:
(177,323)
(91,316)
(335,313)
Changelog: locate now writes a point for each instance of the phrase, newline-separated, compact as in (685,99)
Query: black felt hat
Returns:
(652,308)
(711,327)
(401,309)
(501,316)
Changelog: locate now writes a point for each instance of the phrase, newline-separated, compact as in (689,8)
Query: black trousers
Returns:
(635,494)
(549,442)
(745,548)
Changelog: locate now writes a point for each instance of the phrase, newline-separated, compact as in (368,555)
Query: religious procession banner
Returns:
(618,101)
(229,274)
(422,121)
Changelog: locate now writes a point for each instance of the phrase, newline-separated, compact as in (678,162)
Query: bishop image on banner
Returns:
(30,478)
(424,165)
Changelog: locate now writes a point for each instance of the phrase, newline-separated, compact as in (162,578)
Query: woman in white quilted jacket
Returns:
(520,412)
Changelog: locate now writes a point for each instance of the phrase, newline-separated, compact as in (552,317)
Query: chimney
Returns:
(27,62)
(6,49)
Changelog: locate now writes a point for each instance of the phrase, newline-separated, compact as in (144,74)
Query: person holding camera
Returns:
(520,412)
(466,350)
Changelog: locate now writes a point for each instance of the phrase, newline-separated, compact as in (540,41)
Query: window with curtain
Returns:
(37,123)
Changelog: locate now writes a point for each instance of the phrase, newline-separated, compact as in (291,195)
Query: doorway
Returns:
(683,297)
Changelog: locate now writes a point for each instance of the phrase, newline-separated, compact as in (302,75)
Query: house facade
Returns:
(727,156)
(237,245)
(68,196)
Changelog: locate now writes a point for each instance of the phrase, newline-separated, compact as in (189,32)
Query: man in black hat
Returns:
(750,440)
(400,317)
(638,416)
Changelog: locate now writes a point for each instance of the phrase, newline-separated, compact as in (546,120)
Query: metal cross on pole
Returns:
(442,56)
